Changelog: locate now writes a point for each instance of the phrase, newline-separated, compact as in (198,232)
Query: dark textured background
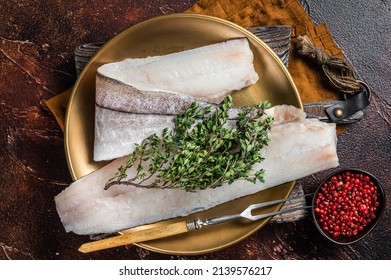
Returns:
(37,41)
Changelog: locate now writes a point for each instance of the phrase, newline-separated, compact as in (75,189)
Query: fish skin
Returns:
(298,146)
(130,128)
(114,95)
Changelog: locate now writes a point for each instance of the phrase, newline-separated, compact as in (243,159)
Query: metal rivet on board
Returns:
(338,112)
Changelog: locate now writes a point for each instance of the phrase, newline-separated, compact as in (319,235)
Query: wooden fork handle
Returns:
(135,237)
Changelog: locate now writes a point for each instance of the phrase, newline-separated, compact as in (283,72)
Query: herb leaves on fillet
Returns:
(202,151)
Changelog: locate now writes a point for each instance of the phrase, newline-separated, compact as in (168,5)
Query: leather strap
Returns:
(317,110)
(341,111)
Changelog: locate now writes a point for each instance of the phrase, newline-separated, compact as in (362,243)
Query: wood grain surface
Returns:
(37,43)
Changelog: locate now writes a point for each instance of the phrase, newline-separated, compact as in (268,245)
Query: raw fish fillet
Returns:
(298,147)
(117,132)
(206,73)
(130,128)
(157,86)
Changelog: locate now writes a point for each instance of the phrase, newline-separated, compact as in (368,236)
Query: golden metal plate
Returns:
(162,35)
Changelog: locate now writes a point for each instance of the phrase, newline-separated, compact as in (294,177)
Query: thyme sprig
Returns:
(202,151)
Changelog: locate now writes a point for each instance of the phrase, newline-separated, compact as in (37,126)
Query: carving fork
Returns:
(131,236)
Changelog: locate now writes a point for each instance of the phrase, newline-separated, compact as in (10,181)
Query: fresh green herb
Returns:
(202,151)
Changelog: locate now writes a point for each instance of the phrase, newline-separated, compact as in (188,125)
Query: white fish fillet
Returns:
(206,73)
(298,147)
(154,87)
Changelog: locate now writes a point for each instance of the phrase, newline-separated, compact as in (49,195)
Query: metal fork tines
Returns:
(247,213)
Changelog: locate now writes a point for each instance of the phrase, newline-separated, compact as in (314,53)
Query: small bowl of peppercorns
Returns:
(347,205)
